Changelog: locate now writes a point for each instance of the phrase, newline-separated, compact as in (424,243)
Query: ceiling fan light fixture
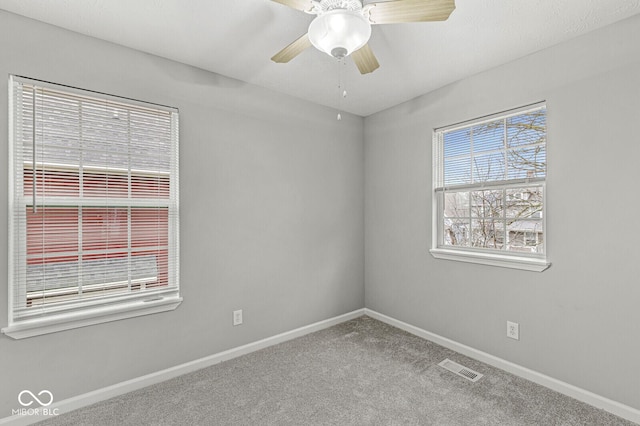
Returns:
(339,32)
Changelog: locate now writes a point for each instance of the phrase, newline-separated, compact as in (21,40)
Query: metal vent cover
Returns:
(460,370)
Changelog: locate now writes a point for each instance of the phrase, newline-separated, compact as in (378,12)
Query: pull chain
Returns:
(342,91)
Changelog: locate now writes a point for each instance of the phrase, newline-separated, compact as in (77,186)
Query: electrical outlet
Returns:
(513,330)
(237,317)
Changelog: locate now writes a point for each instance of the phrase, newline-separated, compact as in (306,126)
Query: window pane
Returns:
(150,186)
(52,253)
(457,171)
(161,260)
(526,236)
(488,136)
(144,271)
(105,134)
(51,278)
(104,228)
(51,231)
(456,204)
(525,203)
(149,227)
(456,232)
(487,233)
(105,271)
(457,143)
(51,182)
(487,203)
(526,129)
(150,141)
(488,167)
(527,162)
(103,184)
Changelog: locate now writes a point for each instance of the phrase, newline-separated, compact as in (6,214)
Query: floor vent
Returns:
(460,370)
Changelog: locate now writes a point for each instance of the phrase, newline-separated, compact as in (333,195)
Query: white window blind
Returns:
(93,208)
(489,183)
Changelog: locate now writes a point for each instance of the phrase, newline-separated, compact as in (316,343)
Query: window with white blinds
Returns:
(93,208)
(489,189)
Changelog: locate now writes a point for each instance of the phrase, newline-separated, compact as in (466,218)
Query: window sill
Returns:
(491,259)
(96,315)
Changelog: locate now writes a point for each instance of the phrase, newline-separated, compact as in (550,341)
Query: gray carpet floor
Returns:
(361,372)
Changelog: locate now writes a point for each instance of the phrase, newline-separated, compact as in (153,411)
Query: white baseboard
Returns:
(620,410)
(103,394)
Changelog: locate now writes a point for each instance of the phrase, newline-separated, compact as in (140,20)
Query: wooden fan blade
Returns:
(292,50)
(395,12)
(365,60)
(303,5)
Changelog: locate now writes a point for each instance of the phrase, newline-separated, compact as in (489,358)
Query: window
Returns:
(489,190)
(93,193)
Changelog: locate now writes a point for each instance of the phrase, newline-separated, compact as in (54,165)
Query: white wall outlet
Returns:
(237,317)
(513,330)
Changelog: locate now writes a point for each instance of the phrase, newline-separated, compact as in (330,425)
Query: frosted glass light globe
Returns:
(339,32)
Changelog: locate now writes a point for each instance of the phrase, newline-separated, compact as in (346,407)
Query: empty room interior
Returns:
(320,212)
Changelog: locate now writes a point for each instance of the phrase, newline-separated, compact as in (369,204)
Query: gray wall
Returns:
(271,215)
(579,320)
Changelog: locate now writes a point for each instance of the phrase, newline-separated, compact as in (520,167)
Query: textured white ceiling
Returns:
(237,38)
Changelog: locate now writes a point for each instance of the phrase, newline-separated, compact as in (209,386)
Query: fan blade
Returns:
(365,60)
(303,5)
(395,12)
(292,50)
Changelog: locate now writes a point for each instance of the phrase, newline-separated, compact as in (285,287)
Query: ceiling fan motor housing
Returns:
(327,5)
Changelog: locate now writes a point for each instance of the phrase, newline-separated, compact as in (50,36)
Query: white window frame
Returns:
(500,258)
(91,311)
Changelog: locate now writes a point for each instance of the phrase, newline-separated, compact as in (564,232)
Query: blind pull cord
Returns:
(33,165)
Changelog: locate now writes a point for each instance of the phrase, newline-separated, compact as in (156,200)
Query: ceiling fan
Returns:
(343,27)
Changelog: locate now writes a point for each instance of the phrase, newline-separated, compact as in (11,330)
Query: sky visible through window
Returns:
(512,148)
